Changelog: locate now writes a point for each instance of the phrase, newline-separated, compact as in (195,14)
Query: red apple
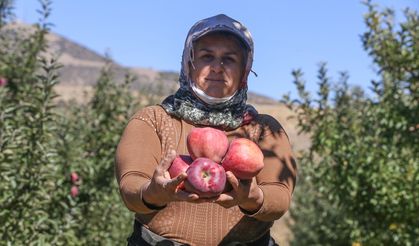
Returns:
(3,81)
(74,191)
(74,177)
(244,158)
(207,142)
(205,178)
(179,165)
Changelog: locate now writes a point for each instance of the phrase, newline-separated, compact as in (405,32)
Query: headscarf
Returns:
(186,105)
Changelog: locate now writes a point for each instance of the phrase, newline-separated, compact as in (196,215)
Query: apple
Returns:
(74,177)
(179,165)
(244,158)
(3,81)
(74,191)
(205,178)
(207,142)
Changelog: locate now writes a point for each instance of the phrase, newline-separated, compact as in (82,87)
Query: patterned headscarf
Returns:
(186,105)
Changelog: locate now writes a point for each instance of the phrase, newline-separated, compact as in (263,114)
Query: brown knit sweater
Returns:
(151,133)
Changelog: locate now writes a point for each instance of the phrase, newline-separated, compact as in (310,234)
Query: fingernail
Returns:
(192,197)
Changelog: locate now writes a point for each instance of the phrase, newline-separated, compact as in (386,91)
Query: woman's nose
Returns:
(217,65)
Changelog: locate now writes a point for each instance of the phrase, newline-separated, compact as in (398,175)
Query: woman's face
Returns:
(218,62)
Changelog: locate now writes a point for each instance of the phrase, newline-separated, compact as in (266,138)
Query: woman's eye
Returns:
(229,60)
(206,57)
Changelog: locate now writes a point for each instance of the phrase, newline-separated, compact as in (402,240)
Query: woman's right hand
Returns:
(162,189)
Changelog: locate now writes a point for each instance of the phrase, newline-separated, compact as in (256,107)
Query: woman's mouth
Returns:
(214,80)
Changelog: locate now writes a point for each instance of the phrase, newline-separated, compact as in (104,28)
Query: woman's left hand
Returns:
(245,193)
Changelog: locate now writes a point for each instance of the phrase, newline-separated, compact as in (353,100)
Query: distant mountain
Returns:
(82,66)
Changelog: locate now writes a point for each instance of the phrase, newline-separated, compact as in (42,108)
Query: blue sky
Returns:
(288,34)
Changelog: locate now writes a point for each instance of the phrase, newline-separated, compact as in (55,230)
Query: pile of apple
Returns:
(211,155)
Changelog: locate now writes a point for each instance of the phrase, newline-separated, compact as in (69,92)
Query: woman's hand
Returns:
(162,189)
(246,194)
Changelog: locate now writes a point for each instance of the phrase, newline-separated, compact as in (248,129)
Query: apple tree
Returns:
(359,181)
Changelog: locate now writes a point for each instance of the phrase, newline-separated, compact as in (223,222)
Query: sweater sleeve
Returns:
(277,178)
(138,153)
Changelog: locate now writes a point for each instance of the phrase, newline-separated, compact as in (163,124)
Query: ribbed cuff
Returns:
(275,203)
(151,206)
(250,214)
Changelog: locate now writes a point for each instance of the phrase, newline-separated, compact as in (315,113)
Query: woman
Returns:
(216,62)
